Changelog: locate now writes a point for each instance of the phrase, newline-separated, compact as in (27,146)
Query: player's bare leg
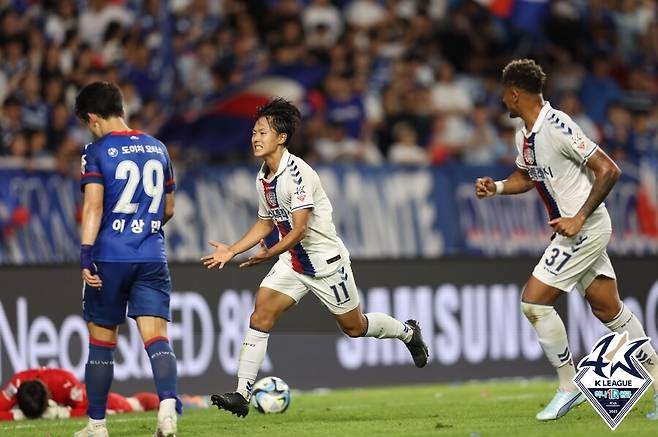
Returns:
(98,377)
(537,303)
(603,298)
(269,306)
(163,364)
(379,325)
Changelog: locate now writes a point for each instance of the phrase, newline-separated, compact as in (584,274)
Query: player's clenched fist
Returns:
(485,187)
(222,255)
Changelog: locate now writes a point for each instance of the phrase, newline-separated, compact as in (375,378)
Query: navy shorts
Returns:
(144,288)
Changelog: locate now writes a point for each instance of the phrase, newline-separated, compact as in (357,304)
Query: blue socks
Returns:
(99,372)
(163,365)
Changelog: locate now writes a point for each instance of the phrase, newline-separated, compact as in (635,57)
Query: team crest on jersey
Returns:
(611,378)
(270,198)
(113,152)
(529,156)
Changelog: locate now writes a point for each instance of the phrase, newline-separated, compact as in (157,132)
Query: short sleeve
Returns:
(90,166)
(262,208)
(579,147)
(170,180)
(573,142)
(304,186)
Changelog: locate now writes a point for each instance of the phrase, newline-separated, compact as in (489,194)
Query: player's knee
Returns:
(535,312)
(262,321)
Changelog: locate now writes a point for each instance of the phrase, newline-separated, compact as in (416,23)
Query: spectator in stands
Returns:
(599,90)
(483,146)
(178,59)
(406,149)
(448,95)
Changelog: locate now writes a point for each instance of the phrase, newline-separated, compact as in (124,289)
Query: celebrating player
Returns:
(311,255)
(128,185)
(57,394)
(573,176)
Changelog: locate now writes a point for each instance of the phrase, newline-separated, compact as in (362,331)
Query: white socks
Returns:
(626,321)
(552,337)
(252,355)
(97,423)
(167,409)
(382,325)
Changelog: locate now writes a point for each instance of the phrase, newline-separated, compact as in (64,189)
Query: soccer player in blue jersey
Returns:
(128,185)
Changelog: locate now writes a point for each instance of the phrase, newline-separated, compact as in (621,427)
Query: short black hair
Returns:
(101,98)
(282,116)
(525,74)
(32,398)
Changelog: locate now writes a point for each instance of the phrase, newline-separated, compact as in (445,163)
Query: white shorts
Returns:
(575,262)
(337,291)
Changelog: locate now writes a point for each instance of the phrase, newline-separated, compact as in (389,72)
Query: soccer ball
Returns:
(271,395)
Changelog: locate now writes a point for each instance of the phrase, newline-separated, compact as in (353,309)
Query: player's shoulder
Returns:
(559,123)
(95,145)
(298,168)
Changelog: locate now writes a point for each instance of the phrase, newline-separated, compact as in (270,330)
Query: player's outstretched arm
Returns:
(224,253)
(92,212)
(606,173)
(518,182)
(300,219)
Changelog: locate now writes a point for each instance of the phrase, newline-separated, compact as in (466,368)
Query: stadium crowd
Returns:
(404,81)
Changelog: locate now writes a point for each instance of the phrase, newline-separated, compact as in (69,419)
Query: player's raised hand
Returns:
(222,255)
(485,187)
(567,226)
(263,255)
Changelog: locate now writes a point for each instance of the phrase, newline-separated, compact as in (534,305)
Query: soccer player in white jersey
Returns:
(573,176)
(311,255)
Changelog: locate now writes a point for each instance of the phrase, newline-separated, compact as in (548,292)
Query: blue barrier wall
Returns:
(380,212)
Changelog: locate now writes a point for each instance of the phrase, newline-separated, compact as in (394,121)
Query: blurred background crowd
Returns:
(401,81)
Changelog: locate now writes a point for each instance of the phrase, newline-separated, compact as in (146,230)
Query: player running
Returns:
(573,176)
(128,185)
(311,255)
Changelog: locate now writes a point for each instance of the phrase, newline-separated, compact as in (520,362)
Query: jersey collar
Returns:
(540,119)
(126,132)
(282,166)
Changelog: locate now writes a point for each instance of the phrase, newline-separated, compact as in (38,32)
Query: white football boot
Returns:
(560,405)
(93,430)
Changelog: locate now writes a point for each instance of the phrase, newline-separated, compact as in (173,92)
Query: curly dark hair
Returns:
(32,398)
(525,74)
(101,98)
(282,116)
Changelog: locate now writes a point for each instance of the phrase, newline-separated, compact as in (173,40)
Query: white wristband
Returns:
(499,187)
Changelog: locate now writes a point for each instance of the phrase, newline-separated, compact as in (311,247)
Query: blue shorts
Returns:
(144,288)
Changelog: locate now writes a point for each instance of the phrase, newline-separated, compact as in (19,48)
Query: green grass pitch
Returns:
(481,409)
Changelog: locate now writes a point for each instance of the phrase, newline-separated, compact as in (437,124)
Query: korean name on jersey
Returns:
(136,173)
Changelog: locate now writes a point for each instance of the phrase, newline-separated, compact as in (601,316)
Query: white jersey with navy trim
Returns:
(295,186)
(554,154)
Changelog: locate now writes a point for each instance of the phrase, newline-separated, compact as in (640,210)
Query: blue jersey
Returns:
(136,173)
